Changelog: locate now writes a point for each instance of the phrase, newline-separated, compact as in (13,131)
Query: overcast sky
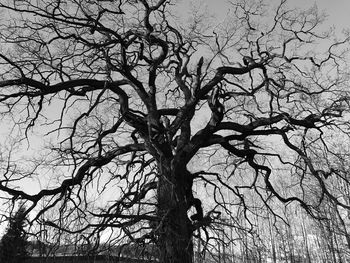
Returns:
(337,10)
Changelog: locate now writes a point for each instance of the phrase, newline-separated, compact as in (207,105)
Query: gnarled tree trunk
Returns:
(174,230)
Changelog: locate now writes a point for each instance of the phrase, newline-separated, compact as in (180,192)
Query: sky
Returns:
(337,10)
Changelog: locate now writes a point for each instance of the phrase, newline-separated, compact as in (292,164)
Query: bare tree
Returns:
(132,99)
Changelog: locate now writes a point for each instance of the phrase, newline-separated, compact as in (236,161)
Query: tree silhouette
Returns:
(154,114)
(13,245)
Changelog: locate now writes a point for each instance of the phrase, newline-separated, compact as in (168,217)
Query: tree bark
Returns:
(174,229)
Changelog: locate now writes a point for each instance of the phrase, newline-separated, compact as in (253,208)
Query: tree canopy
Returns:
(13,244)
(157,127)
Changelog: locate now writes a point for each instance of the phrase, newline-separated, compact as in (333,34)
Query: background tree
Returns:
(13,244)
(141,112)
